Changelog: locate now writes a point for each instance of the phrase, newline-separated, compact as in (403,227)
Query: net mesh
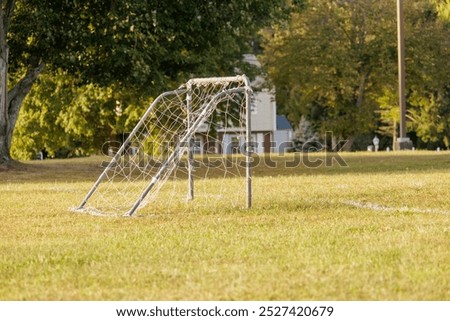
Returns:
(200,126)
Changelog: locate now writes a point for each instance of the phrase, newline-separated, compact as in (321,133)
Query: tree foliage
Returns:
(129,51)
(65,117)
(334,61)
(141,42)
(428,60)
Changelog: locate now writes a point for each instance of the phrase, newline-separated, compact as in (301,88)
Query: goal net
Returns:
(192,143)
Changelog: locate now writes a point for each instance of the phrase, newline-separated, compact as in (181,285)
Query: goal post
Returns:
(203,116)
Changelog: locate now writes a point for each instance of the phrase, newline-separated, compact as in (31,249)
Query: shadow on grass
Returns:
(88,169)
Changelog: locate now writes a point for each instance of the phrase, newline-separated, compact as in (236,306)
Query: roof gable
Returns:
(283,123)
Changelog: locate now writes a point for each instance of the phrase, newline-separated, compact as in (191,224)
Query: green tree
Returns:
(325,62)
(65,116)
(10,101)
(335,60)
(442,8)
(427,55)
(139,46)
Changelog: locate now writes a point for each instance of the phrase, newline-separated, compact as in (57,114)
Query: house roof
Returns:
(283,123)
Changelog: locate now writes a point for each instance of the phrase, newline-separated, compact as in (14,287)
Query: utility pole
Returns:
(402,142)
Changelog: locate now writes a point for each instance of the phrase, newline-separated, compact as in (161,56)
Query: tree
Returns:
(326,60)
(11,101)
(141,46)
(65,117)
(427,64)
(304,136)
(442,8)
(334,60)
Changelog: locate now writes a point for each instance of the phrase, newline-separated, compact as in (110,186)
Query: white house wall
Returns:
(257,138)
(282,140)
(263,116)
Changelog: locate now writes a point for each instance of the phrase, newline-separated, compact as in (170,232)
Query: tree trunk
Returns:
(359,103)
(361,90)
(18,94)
(4,151)
(6,11)
(10,111)
(348,145)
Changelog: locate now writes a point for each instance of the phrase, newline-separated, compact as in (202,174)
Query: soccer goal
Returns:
(200,130)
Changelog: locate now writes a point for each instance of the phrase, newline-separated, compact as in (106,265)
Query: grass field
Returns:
(377,229)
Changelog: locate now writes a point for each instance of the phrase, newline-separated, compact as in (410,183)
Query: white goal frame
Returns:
(185,144)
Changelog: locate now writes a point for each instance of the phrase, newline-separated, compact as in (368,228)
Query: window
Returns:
(197,146)
(235,145)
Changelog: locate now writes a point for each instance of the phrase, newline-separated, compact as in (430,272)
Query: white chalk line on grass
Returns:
(384,208)
(90,211)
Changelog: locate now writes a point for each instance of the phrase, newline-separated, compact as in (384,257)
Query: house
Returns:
(270,132)
(282,135)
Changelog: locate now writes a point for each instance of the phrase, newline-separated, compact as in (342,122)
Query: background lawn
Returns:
(377,229)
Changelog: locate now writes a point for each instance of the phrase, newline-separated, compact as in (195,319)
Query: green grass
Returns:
(377,229)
